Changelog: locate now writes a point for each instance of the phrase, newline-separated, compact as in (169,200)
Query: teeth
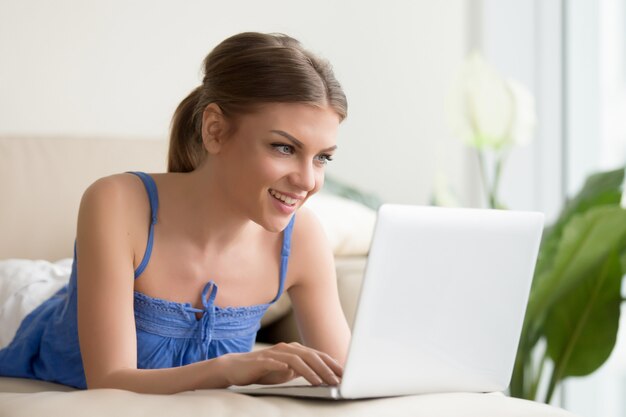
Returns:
(285,199)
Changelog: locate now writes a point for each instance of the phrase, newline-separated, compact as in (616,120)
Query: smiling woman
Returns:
(176,269)
(260,158)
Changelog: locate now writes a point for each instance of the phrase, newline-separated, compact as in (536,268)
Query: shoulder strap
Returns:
(153,196)
(284,257)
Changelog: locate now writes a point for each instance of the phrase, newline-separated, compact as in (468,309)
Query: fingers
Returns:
(274,372)
(300,366)
(272,365)
(316,367)
(277,377)
(251,368)
(330,362)
(281,363)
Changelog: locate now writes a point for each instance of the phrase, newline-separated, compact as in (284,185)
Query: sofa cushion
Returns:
(349,225)
(32,398)
(43,180)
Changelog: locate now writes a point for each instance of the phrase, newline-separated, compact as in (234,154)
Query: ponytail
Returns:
(186,149)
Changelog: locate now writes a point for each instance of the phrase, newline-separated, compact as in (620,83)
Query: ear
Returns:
(213,127)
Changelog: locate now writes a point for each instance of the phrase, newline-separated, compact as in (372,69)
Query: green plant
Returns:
(573,310)
(574,305)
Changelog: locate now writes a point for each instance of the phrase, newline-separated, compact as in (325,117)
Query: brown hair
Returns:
(246,70)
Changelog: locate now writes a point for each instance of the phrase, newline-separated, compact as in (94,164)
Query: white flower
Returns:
(488,111)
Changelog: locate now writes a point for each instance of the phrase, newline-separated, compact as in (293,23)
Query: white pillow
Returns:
(349,225)
(24,285)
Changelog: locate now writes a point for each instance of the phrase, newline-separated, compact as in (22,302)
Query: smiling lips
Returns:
(289,201)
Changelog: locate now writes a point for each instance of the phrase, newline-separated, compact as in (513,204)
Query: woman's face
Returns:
(275,160)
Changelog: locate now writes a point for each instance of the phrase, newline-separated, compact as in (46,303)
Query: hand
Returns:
(281,363)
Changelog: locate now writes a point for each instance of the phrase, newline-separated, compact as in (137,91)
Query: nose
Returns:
(305,177)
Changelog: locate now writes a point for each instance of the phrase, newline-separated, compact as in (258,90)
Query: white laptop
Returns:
(441,306)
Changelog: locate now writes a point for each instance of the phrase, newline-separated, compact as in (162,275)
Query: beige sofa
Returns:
(41,181)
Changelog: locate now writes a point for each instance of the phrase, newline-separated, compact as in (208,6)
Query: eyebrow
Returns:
(296,142)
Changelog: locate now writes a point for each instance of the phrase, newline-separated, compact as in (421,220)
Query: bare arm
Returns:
(106,325)
(314,294)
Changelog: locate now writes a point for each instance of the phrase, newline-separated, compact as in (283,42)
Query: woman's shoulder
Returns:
(115,185)
(309,243)
(123,191)
(306,225)
(114,212)
(115,198)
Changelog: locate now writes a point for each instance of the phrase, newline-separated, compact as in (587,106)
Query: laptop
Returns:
(441,305)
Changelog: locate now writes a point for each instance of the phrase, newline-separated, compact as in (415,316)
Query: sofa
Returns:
(41,182)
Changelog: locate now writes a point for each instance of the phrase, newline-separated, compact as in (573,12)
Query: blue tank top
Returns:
(168,333)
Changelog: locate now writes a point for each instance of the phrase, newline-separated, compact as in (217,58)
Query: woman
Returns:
(172,272)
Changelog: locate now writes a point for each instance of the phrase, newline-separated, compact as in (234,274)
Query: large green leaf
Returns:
(565,258)
(600,189)
(581,327)
(586,240)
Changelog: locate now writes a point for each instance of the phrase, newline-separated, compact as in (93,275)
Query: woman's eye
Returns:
(325,158)
(283,149)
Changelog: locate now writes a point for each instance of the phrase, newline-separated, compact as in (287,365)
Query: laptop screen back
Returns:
(442,302)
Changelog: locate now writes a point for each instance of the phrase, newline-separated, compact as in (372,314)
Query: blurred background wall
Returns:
(119,68)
